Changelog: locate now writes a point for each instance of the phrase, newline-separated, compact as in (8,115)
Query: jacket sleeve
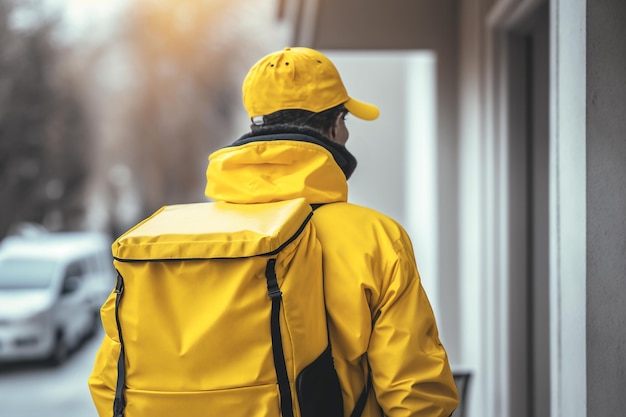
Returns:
(410,370)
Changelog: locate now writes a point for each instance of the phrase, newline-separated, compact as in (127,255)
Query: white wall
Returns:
(476,342)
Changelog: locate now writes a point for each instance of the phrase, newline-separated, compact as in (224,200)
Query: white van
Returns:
(51,288)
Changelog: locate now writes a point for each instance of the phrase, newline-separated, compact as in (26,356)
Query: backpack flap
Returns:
(213,230)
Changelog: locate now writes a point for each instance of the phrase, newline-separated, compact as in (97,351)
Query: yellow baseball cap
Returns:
(298,78)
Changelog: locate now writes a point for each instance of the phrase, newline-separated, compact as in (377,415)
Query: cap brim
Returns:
(361,109)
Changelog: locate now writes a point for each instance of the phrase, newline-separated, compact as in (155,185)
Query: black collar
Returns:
(346,161)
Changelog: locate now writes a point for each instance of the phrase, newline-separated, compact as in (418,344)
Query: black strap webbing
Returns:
(119,404)
(277,342)
(360,403)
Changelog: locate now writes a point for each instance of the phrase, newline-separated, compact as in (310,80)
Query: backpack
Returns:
(218,310)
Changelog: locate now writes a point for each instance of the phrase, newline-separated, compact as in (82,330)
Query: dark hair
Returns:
(322,121)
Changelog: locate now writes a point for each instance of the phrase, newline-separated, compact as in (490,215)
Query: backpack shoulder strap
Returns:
(360,403)
(277,343)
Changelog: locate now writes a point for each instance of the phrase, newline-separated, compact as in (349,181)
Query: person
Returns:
(380,320)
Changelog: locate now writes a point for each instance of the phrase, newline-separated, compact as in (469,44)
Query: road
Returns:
(38,390)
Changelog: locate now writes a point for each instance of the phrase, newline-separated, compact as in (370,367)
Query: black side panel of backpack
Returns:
(318,389)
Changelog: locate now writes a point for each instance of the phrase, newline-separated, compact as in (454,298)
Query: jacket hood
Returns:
(277,166)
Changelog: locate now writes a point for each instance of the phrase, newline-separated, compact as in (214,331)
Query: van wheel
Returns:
(60,351)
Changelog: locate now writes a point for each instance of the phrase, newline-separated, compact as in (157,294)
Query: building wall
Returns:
(587,183)
(606,207)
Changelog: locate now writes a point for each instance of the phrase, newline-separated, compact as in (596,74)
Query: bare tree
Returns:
(42,168)
(96,133)
(181,91)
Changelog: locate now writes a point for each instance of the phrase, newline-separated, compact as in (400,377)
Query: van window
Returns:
(75,269)
(18,273)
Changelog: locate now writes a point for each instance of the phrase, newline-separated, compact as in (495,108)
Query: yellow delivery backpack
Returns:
(218,311)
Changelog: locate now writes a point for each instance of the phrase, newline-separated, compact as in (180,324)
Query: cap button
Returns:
(287,49)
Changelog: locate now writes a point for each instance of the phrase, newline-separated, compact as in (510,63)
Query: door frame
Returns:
(567,204)
(506,271)
(568,213)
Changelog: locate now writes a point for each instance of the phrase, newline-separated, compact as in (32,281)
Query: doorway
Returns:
(527,129)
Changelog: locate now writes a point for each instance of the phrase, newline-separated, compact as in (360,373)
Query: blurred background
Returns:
(500,147)
(110,108)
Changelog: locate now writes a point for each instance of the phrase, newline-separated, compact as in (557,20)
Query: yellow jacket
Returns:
(378,311)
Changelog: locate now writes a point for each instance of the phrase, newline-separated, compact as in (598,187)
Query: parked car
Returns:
(51,288)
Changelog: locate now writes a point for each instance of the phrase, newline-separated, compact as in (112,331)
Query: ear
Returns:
(333,130)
